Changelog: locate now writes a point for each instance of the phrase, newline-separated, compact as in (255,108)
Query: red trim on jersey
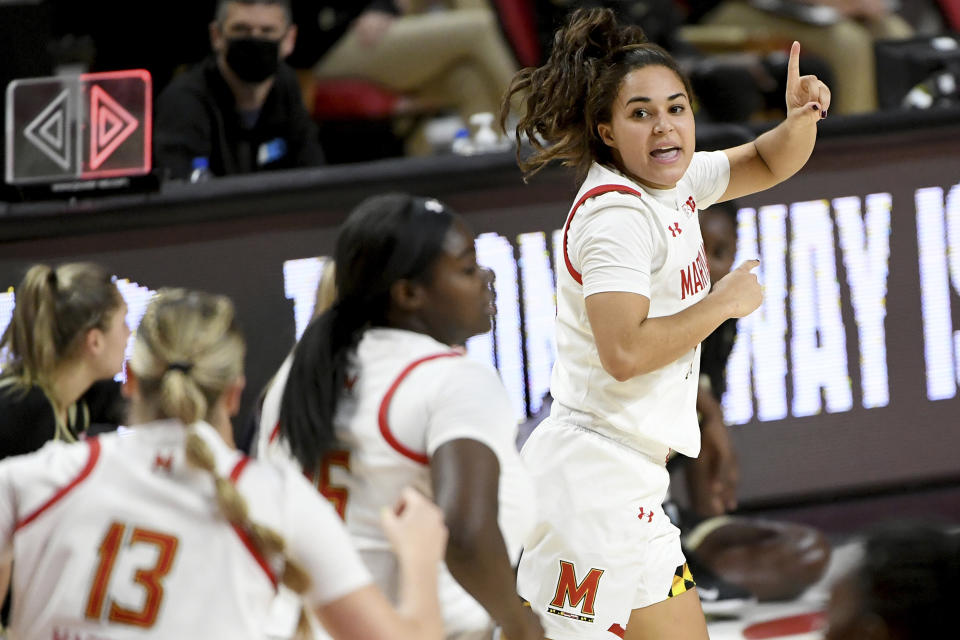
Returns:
(385,407)
(93,456)
(274,433)
(243,535)
(238,469)
(596,191)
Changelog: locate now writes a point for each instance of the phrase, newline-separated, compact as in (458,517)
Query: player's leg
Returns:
(678,618)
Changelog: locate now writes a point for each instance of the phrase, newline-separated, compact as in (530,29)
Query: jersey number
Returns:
(148,578)
(337,495)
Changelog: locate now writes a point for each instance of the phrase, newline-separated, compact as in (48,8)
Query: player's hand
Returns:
(415,529)
(739,290)
(807,97)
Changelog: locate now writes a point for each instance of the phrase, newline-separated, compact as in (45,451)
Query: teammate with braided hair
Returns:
(166,531)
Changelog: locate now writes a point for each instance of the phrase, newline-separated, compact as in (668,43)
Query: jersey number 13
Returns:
(150,579)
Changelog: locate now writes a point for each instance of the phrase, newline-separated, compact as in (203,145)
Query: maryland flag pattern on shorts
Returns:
(682,581)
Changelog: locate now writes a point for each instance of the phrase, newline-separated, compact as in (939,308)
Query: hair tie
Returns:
(180,366)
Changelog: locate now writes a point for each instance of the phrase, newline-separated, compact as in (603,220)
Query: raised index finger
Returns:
(793,65)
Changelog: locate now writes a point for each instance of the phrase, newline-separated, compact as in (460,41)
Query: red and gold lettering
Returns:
(568,589)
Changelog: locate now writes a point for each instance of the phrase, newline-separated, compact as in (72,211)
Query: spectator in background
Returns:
(843,37)
(903,588)
(64,344)
(444,54)
(773,560)
(735,85)
(241,109)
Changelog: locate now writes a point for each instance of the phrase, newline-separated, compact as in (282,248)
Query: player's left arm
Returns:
(779,153)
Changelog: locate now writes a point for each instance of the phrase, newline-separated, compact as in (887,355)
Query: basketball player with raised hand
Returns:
(634,301)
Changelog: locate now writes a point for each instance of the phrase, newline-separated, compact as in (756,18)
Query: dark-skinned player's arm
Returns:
(466,479)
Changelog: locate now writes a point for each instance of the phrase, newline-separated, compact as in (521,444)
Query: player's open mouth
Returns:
(666,154)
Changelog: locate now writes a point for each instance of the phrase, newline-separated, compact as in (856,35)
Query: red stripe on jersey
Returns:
(596,191)
(274,433)
(385,408)
(238,469)
(243,535)
(92,457)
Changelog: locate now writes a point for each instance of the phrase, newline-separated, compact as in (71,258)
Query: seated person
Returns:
(241,108)
(444,54)
(844,38)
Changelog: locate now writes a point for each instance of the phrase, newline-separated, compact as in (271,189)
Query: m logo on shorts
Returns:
(569,589)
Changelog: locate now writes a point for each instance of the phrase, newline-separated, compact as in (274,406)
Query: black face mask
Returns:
(253,59)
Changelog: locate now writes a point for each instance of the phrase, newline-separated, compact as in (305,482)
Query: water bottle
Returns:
(462,144)
(486,139)
(200,169)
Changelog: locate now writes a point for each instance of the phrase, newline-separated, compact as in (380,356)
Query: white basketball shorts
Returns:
(602,545)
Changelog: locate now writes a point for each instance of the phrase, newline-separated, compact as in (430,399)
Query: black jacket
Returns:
(197,117)
(27,420)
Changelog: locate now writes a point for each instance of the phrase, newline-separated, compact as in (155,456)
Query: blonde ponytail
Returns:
(189,349)
(54,310)
(234,508)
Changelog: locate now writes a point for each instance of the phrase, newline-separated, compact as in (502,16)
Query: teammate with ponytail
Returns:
(634,301)
(64,343)
(166,531)
(376,397)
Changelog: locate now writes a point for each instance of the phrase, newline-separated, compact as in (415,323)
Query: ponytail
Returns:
(54,310)
(385,239)
(188,350)
(317,377)
(234,507)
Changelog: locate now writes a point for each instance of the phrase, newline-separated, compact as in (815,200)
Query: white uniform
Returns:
(602,545)
(119,537)
(409,395)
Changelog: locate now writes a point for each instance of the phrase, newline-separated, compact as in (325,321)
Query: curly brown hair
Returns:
(563,101)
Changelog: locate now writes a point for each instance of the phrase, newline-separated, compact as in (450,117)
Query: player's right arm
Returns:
(616,253)
(630,343)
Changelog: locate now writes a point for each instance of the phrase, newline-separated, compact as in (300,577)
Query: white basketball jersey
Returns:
(408,395)
(658,408)
(119,537)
